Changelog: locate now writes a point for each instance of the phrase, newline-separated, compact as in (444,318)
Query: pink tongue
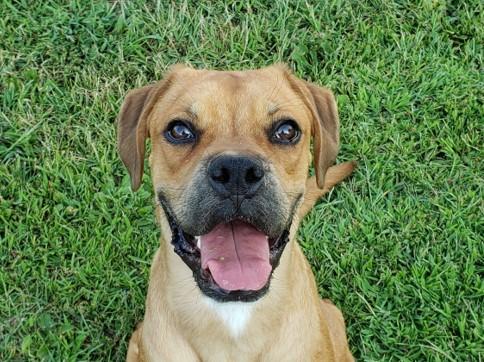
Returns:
(237,255)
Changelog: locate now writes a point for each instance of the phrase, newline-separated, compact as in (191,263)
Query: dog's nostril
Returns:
(253,175)
(235,175)
(221,175)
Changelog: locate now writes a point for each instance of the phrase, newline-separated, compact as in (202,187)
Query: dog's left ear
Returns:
(325,129)
(325,122)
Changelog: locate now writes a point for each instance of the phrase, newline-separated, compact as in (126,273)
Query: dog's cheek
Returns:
(194,204)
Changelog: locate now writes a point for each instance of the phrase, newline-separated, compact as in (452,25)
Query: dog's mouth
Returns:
(232,262)
(236,254)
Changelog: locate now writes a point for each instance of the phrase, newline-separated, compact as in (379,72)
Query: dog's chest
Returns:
(234,315)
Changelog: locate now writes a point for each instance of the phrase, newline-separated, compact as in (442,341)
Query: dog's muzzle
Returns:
(234,229)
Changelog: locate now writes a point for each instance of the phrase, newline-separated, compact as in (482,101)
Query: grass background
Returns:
(399,247)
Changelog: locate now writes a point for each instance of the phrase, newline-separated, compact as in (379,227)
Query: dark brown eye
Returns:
(286,132)
(179,132)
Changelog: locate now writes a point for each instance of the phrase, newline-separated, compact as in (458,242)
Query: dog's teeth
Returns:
(197,238)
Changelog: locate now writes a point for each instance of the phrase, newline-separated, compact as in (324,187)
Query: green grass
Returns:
(399,247)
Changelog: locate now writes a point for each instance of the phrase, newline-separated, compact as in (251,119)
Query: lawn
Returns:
(398,247)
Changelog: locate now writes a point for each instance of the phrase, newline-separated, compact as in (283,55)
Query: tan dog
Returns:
(229,163)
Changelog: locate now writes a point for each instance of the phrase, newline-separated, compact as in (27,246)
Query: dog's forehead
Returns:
(233,95)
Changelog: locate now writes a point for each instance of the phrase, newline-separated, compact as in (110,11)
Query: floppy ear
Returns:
(325,129)
(325,122)
(132,132)
(133,123)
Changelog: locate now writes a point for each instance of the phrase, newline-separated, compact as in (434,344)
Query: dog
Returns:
(229,164)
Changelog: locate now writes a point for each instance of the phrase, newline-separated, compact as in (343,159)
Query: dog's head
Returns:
(229,162)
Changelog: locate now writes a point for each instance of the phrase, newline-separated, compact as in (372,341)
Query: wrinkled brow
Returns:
(273,108)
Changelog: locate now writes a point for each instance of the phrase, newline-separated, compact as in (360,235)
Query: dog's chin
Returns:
(223,271)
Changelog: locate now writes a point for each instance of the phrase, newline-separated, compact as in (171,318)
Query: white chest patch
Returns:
(235,315)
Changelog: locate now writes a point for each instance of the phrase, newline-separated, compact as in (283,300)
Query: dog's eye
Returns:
(286,132)
(179,132)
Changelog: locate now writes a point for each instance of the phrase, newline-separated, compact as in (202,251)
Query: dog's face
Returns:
(229,162)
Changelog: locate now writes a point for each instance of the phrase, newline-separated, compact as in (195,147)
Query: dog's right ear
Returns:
(132,131)
(133,123)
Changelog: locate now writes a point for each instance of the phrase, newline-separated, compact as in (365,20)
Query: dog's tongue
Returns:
(237,255)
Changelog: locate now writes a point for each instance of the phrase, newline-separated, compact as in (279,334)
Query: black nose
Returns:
(235,175)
